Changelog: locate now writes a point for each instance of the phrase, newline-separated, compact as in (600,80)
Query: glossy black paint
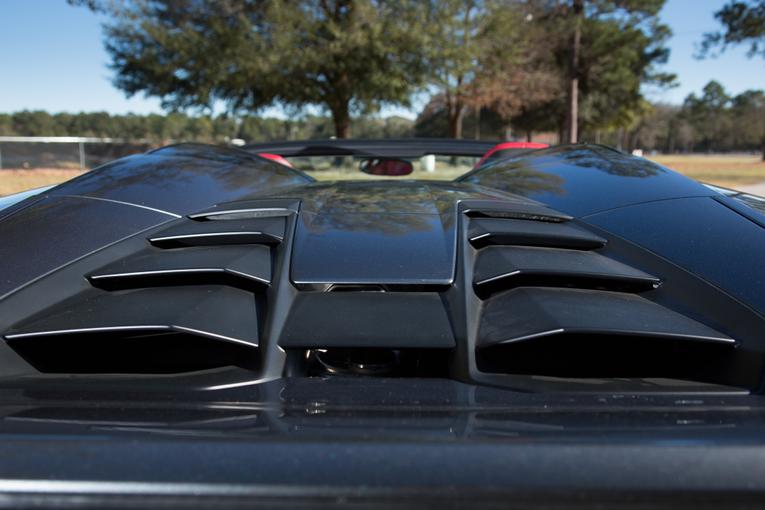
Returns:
(585,179)
(124,197)
(396,233)
(382,439)
(268,433)
(57,230)
(183,179)
(700,235)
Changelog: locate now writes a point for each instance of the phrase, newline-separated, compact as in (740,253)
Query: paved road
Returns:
(754,189)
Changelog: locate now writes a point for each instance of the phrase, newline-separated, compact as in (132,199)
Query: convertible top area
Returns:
(198,299)
(394,147)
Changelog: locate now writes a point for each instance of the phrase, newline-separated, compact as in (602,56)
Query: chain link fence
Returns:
(63,152)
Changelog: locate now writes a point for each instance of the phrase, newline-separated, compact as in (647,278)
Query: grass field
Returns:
(734,171)
(731,171)
(13,181)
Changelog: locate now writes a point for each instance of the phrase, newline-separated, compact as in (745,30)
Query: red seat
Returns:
(275,157)
(503,149)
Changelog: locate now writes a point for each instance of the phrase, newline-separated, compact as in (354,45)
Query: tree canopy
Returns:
(343,56)
(743,23)
(532,63)
(517,59)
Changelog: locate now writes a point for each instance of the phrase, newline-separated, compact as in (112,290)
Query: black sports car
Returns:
(211,327)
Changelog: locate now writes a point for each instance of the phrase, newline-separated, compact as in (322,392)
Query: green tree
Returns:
(518,73)
(743,23)
(346,56)
(748,110)
(620,44)
(483,55)
(6,124)
(34,123)
(455,30)
(709,115)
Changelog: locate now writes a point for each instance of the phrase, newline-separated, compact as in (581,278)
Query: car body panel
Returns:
(702,236)
(585,179)
(182,179)
(385,266)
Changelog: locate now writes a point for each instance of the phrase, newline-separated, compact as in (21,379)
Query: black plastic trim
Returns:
(499,268)
(494,231)
(538,312)
(214,239)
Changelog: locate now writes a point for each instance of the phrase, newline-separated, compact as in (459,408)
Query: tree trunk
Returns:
(456,114)
(762,145)
(669,145)
(573,92)
(528,136)
(341,118)
(477,123)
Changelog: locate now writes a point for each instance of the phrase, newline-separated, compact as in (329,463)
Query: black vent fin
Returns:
(578,334)
(528,313)
(222,313)
(257,210)
(493,231)
(499,268)
(520,210)
(269,231)
(215,239)
(239,266)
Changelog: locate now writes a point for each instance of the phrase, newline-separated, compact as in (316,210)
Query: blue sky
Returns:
(52,58)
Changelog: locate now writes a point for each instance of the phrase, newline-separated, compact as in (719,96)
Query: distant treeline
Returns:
(159,129)
(712,121)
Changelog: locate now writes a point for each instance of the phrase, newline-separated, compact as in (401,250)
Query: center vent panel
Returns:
(368,320)
(187,297)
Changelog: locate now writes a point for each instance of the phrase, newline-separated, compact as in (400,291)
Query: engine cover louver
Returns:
(518,291)
(223,313)
(552,301)
(197,281)
(267,231)
(502,267)
(240,266)
(541,312)
(490,231)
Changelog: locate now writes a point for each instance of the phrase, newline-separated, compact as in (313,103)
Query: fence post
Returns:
(82,155)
